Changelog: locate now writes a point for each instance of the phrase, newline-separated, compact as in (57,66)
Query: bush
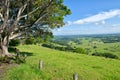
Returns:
(29,41)
(80,50)
(94,47)
(110,55)
(48,45)
(106,55)
(97,54)
(14,42)
(67,48)
(11,49)
(105,48)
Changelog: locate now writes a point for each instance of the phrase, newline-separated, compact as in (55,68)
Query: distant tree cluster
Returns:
(65,48)
(106,55)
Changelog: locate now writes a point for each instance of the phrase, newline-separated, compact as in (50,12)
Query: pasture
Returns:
(61,65)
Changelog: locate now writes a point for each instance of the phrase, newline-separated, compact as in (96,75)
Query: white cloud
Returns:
(96,23)
(103,22)
(99,17)
(100,23)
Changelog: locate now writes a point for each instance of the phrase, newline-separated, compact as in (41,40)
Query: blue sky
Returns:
(91,17)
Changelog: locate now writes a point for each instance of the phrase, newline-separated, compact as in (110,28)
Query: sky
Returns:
(91,17)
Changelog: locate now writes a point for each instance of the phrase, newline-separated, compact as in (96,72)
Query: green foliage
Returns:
(11,49)
(29,41)
(38,40)
(14,42)
(7,59)
(47,45)
(65,48)
(80,50)
(26,18)
(106,55)
(94,47)
(1,58)
(110,55)
(21,58)
(54,10)
(57,47)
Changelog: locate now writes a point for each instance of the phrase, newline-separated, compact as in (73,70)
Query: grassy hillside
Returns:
(59,65)
(93,44)
(113,48)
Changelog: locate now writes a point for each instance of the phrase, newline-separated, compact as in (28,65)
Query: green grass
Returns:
(59,65)
(101,47)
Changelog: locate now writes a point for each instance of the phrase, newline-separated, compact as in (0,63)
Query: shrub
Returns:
(14,42)
(65,48)
(11,49)
(106,55)
(105,48)
(80,50)
(69,48)
(94,47)
(110,55)
(29,41)
(52,46)
(97,54)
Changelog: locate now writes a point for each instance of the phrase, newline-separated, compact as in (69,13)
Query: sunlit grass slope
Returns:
(59,65)
(113,48)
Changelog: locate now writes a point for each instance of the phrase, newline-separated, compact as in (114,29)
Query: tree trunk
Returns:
(4,47)
(4,50)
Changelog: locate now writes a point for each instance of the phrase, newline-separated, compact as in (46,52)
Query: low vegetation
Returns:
(60,65)
(14,42)
(65,48)
(106,55)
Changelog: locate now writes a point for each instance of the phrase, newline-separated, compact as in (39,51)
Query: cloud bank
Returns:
(98,17)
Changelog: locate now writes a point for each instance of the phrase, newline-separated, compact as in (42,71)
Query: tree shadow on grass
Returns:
(27,53)
(12,50)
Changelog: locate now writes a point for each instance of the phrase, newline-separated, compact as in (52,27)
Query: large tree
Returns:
(23,17)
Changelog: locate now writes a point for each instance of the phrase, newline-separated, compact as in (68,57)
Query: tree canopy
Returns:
(29,17)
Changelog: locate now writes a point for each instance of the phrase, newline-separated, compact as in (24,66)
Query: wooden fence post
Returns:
(75,76)
(40,64)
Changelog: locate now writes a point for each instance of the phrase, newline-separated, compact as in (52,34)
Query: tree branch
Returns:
(29,13)
(40,15)
(24,6)
(1,16)
(40,18)
(6,14)
(21,9)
